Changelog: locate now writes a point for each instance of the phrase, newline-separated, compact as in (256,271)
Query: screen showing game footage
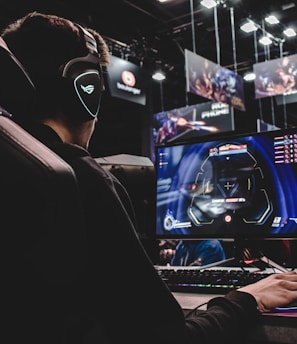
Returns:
(233,187)
(277,77)
(210,80)
(187,122)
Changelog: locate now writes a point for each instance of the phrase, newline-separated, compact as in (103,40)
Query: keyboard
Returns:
(208,281)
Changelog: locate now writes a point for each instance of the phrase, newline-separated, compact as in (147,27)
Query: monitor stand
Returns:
(244,255)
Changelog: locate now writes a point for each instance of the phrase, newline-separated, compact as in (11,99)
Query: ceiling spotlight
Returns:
(159,76)
(265,40)
(272,20)
(250,76)
(249,26)
(290,32)
(208,3)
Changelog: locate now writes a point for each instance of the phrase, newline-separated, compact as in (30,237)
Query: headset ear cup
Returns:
(81,92)
(82,82)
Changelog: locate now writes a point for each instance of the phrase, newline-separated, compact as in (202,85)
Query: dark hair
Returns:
(43,43)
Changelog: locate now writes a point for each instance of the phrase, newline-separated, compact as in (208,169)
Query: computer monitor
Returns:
(233,187)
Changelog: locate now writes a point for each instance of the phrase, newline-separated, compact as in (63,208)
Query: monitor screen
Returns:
(210,80)
(235,187)
(276,77)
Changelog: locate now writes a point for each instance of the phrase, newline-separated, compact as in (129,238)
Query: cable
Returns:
(193,26)
(233,39)
(195,309)
(217,35)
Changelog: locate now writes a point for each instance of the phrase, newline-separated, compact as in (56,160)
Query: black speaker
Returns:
(82,82)
(137,174)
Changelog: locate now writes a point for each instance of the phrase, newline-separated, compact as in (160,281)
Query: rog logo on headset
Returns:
(88,89)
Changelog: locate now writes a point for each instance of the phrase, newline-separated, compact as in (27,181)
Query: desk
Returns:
(272,328)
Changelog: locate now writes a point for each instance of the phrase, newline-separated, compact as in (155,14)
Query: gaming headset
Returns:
(82,81)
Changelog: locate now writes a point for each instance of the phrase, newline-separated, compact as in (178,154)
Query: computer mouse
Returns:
(290,307)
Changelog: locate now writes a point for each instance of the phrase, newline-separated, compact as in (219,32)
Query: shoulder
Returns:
(84,165)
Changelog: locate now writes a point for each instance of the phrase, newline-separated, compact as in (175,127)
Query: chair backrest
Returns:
(17,92)
(40,215)
(41,225)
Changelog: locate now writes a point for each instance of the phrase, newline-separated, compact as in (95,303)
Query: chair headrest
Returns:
(17,92)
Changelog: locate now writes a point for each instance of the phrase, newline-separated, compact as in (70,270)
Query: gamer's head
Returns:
(64,61)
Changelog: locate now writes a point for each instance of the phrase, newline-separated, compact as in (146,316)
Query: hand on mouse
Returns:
(274,291)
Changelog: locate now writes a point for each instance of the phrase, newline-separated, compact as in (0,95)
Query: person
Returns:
(119,297)
(176,252)
(197,253)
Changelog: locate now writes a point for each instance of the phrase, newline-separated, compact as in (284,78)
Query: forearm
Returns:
(225,318)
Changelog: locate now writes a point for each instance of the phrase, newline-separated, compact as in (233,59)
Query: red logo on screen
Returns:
(128,78)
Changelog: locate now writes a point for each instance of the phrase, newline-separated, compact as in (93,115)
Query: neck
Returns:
(78,134)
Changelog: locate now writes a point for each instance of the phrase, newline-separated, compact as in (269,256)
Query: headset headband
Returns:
(93,55)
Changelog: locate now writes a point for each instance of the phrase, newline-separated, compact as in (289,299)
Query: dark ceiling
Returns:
(154,34)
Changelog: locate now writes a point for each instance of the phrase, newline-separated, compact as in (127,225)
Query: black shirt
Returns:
(120,292)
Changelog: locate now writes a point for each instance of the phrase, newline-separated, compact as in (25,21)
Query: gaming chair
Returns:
(42,234)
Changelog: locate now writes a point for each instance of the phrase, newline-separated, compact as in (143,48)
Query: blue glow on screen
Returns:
(232,187)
